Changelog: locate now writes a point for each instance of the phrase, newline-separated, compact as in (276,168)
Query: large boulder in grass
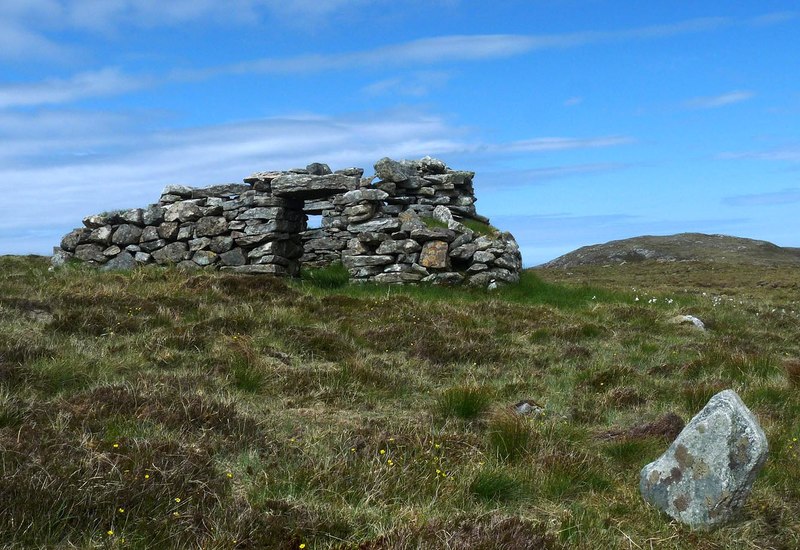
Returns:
(706,475)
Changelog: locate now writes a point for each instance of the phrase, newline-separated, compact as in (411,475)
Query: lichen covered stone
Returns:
(706,475)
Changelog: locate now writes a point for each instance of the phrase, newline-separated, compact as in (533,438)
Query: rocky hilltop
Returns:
(683,247)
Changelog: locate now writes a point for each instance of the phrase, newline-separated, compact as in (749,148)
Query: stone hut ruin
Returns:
(417,223)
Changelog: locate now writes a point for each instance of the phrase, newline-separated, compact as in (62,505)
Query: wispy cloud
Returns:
(18,42)
(573,101)
(105,82)
(789,154)
(544,144)
(773,198)
(108,15)
(540,175)
(417,84)
(713,102)
(423,52)
(141,162)
(775,18)
(104,161)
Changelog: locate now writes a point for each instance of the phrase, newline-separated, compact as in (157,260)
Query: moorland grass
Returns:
(159,408)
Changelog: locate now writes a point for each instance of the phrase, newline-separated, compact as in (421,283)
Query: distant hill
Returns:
(683,247)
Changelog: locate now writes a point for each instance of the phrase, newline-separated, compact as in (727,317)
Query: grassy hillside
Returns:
(683,247)
(158,408)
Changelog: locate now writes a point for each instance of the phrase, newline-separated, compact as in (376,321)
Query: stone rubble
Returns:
(407,227)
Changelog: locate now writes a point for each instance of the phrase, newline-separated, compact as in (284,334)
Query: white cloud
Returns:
(63,188)
(774,18)
(17,42)
(550,173)
(573,101)
(538,145)
(108,15)
(783,154)
(60,172)
(44,138)
(417,84)
(105,82)
(713,102)
(785,196)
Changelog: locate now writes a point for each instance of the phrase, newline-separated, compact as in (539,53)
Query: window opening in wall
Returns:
(314,222)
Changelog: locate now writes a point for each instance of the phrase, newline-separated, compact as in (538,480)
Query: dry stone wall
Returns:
(406,227)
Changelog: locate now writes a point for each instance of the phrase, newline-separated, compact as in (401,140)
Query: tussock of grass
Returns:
(465,402)
(495,485)
(330,277)
(480,228)
(509,435)
(283,413)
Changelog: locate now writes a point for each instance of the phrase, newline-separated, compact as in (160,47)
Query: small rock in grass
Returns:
(528,407)
(688,320)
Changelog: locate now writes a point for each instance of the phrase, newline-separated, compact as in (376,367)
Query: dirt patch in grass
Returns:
(667,427)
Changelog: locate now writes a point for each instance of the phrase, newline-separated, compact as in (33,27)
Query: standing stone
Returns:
(434,255)
(707,473)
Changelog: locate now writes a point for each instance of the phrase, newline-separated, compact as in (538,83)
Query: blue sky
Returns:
(585,120)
